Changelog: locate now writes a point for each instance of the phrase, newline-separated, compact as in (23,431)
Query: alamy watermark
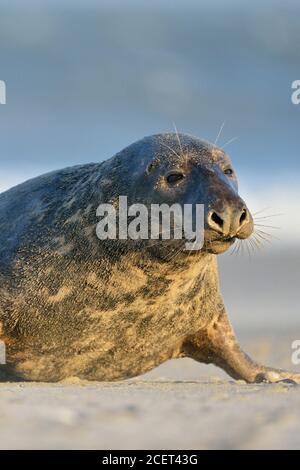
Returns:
(295,358)
(295,96)
(157,222)
(2,92)
(2,353)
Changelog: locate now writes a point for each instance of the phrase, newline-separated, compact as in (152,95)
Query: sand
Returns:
(179,405)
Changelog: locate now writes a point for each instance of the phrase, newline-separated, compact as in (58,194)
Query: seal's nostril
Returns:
(243,216)
(217,219)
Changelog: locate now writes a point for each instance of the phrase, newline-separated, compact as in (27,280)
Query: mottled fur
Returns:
(72,305)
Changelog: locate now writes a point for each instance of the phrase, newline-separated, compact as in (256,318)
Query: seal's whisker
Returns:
(173,255)
(268,226)
(247,246)
(248,249)
(239,247)
(255,244)
(229,142)
(243,248)
(232,249)
(257,240)
(266,234)
(261,210)
(263,238)
(235,247)
(249,243)
(262,234)
(176,254)
(170,148)
(254,234)
(267,216)
(219,134)
(177,135)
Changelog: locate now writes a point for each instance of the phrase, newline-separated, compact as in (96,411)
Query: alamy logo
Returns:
(2,92)
(159,222)
(295,97)
(296,354)
(2,353)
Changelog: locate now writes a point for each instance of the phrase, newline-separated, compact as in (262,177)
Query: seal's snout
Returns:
(231,221)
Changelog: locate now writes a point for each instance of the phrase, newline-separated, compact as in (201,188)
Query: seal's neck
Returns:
(182,264)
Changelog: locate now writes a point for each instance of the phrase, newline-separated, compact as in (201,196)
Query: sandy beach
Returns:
(179,405)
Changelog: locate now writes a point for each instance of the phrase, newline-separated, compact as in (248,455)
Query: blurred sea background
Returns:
(86,78)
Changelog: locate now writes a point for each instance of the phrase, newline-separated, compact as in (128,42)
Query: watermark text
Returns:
(2,92)
(157,222)
(295,97)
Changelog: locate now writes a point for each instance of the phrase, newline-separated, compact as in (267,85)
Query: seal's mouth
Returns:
(218,245)
(212,244)
(228,239)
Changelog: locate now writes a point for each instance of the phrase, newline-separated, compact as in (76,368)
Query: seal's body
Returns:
(73,305)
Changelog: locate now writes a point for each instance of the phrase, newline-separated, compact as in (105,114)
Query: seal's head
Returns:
(178,168)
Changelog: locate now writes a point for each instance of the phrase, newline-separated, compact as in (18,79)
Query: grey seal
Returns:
(72,305)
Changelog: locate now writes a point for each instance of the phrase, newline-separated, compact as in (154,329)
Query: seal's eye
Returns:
(173,178)
(228,171)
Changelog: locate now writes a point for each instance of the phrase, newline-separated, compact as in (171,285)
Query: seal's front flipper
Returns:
(218,345)
(271,375)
